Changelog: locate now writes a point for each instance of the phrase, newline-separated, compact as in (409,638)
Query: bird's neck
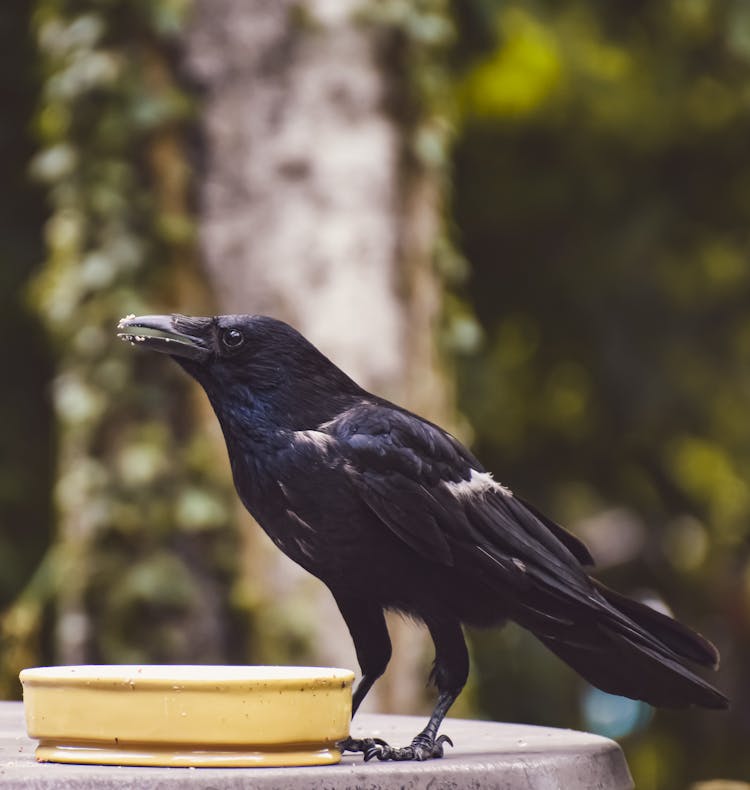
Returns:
(257,428)
(249,428)
(253,441)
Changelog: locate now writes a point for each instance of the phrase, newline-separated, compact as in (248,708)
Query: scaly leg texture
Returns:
(425,746)
(449,674)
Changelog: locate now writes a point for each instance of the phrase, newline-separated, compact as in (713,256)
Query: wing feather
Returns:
(400,504)
(434,495)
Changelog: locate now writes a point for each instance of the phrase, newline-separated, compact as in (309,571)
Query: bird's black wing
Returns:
(436,497)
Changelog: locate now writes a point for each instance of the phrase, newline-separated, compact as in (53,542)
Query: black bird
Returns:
(391,512)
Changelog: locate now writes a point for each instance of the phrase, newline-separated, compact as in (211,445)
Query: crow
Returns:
(391,512)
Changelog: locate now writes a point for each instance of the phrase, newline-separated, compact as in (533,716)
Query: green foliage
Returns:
(144,550)
(421,38)
(603,199)
(420,34)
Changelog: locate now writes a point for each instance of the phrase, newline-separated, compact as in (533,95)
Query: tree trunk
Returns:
(312,210)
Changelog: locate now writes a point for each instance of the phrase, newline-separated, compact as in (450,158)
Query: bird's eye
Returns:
(232,338)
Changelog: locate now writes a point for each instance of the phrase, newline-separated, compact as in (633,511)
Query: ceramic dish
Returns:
(187,715)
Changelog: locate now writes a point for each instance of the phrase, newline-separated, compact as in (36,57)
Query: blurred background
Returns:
(527,220)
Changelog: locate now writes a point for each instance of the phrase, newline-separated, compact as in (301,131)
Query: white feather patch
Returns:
(478,483)
(321,440)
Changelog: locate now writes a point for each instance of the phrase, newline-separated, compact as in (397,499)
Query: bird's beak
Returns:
(177,335)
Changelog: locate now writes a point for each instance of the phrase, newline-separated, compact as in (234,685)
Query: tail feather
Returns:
(616,643)
(637,652)
(619,666)
(682,640)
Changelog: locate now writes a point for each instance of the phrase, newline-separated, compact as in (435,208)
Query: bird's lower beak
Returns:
(176,335)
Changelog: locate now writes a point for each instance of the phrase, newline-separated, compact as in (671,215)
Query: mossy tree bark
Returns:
(143,555)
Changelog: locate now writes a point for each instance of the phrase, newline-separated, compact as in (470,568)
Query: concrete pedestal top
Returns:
(486,755)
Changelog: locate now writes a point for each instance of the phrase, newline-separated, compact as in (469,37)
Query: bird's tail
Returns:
(633,650)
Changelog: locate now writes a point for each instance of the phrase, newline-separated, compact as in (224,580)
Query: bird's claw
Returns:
(421,748)
(368,746)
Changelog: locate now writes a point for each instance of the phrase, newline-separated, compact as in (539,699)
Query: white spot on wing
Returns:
(321,440)
(478,483)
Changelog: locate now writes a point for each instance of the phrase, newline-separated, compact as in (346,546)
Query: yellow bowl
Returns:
(187,715)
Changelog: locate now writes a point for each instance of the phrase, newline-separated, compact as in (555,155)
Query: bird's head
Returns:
(247,362)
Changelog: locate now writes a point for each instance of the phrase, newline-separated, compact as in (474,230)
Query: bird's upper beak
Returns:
(177,335)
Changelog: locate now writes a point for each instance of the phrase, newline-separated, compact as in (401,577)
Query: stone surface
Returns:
(487,755)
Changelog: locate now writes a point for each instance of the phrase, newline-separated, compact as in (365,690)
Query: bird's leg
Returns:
(368,746)
(424,746)
(369,632)
(449,674)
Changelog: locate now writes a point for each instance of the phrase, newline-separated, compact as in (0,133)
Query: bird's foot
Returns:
(368,746)
(423,747)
